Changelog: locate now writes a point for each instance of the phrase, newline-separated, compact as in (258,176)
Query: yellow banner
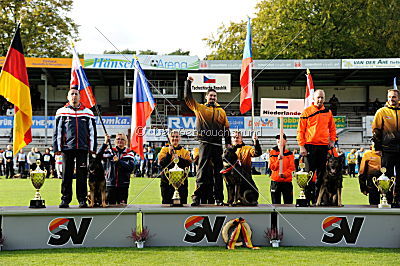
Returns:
(45,62)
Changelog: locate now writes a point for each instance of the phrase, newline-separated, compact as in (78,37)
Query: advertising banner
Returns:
(292,122)
(281,107)
(204,81)
(371,63)
(154,62)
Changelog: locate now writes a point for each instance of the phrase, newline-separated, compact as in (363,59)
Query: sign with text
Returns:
(371,63)
(275,107)
(204,81)
(292,122)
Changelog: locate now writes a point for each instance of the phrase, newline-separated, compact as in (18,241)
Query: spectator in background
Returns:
(150,161)
(9,159)
(359,154)
(38,156)
(334,104)
(352,161)
(342,159)
(296,155)
(32,159)
(47,159)
(2,170)
(53,161)
(377,104)
(58,165)
(21,159)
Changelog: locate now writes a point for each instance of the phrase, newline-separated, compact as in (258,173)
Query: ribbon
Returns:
(240,229)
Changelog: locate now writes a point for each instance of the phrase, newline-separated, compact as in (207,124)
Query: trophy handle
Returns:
(166,172)
(374,181)
(311,174)
(393,179)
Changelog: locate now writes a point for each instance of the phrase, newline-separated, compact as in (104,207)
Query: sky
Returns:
(161,26)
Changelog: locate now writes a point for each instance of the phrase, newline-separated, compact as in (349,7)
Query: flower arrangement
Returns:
(140,236)
(274,234)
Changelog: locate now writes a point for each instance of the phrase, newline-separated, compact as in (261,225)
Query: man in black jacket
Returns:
(74,136)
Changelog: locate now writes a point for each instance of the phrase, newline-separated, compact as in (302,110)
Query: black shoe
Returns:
(219,203)
(195,203)
(83,204)
(63,204)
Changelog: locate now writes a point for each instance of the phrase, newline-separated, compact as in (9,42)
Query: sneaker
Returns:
(63,204)
(83,204)
(195,203)
(219,203)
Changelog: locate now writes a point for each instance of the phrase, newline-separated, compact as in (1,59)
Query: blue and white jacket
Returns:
(75,129)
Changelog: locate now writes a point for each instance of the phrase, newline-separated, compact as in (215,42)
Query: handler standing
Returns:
(386,137)
(75,136)
(316,133)
(212,125)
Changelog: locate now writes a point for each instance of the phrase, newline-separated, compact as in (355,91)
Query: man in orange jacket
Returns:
(281,184)
(316,133)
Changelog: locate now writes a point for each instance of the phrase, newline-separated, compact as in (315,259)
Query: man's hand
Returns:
(379,153)
(255,138)
(115,158)
(280,157)
(303,151)
(228,146)
(282,176)
(171,149)
(106,139)
(365,193)
(190,78)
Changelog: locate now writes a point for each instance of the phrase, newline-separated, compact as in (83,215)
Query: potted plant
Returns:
(140,237)
(274,236)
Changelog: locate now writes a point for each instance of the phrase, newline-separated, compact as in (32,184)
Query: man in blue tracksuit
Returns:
(74,136)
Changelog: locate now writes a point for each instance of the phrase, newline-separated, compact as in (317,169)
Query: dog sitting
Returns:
(330,193)
(97,184)
(239,192)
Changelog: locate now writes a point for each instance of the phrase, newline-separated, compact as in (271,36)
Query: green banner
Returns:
(292,122)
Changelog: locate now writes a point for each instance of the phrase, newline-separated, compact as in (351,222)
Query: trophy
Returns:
(176,177)
(384,184)
(37,177)
(302,178)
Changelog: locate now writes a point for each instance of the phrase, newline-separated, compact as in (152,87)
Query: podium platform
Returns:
(52,227)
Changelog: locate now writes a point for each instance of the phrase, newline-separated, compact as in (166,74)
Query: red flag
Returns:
(14,86)
(309,98)
(80,81)
(246,93)
(143,105)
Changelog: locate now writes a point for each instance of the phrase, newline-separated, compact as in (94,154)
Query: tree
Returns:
(45,29)
(180,52)
(328,29)
(147,52)
(126,51)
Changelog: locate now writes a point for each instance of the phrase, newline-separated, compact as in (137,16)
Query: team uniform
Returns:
(370,167)
(212,125)
(281,186)
(117,173)
(74,135)
(316,128)
(165,160)
(386,137)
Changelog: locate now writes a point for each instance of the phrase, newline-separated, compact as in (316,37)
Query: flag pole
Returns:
(281,147)
(252,98)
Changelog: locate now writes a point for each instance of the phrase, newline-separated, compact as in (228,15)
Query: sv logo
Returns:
(63,229)
(337,228)
(198,227)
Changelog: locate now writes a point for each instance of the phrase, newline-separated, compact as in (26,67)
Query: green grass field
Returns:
(18,192)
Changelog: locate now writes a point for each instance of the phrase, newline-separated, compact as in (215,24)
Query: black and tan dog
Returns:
(239,192)
(97,184)
(330,193)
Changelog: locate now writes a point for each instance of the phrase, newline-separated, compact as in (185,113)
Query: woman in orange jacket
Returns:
(281,184)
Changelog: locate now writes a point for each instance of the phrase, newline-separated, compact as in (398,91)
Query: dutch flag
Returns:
(281,104)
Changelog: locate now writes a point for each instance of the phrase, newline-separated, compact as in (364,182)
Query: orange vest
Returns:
(288,165)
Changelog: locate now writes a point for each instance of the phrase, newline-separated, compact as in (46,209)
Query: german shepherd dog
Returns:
(330,193)
(239,193)
(97,184)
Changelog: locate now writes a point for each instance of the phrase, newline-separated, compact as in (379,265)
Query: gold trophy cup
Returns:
(176,177)
(302,179)
(37,177)
(384,184)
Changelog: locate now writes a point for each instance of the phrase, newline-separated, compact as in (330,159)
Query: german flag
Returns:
(14,86)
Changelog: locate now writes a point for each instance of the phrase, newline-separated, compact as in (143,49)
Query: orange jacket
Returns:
(316,126)
(288,165)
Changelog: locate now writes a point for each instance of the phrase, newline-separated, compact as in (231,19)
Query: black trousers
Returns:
(167,191)
(10,169)
(21,167)
(352,169)
(317,158)
(117,195)
(210,165)
(69,164)
(391,160)
(48,169)
(281,189)
(2,170)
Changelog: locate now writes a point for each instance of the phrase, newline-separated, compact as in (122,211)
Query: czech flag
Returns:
(14,86)
(246,93)
(309,98)
(79,80)
(209,79)
(143,105)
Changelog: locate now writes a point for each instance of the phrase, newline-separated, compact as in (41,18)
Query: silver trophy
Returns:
(384,185)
